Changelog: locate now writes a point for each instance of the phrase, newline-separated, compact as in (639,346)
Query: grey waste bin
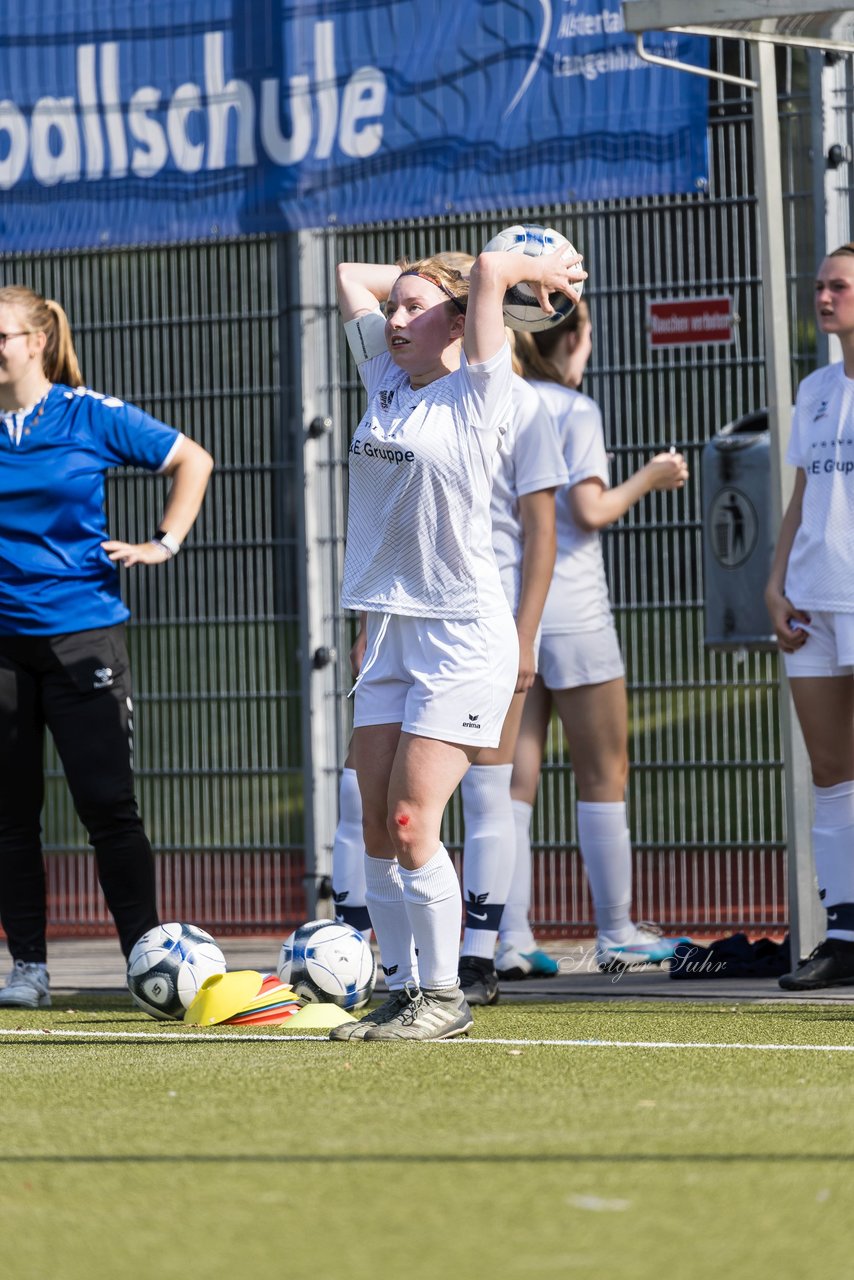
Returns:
(738,540)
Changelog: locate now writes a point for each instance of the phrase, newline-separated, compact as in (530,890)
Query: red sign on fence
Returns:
(687,322)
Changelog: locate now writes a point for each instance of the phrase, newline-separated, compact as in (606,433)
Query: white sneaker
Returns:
(27,987)
(513,964)
(510,963)
(647,945)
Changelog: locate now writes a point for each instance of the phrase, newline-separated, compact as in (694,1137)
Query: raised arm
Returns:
(593,506)
(362,286)
(493,274)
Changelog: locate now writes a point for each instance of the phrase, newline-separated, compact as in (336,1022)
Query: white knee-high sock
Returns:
(348,857)
(434,907)
(488,854)
(603,835)
(833,846)
(390,920)
(515,929)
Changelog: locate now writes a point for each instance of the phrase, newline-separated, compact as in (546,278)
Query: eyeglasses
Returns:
(5,336)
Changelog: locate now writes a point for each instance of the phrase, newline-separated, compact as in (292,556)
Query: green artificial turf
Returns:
(158,1159)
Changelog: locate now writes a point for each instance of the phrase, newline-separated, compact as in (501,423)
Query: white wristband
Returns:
(167,541)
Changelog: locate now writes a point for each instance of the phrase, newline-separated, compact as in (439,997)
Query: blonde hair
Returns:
(447,278)
(535,350)
(514,352)
(43,315)
(457,260)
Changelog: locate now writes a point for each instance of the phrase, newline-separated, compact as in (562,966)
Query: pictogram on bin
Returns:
(738,540)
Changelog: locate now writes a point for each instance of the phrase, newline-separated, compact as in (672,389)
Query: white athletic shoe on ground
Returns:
(512,964)
(27,987)
(646,946)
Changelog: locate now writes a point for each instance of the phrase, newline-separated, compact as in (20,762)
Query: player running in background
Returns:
(441,662)
(810,598)
(63,656)
(581,672)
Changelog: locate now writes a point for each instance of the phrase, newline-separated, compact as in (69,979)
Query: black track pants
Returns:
(78,686)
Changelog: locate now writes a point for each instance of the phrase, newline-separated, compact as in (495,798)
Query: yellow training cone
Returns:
(222,996)
(320,1017)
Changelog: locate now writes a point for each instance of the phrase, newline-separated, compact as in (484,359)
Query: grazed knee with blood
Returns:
(403,826)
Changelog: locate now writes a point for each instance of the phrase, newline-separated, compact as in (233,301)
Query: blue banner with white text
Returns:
(171,120)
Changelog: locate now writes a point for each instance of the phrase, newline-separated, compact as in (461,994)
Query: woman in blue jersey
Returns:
(63,657)
(442,655)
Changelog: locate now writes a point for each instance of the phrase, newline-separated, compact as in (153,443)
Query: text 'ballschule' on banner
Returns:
(121,124)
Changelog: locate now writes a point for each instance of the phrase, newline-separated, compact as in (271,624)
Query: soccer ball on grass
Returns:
(330,963)
(167,966)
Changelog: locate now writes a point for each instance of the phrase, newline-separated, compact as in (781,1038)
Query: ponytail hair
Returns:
(535,351)
(43,315)
(512,340)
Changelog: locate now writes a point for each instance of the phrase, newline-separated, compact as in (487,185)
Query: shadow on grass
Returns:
(391,1157)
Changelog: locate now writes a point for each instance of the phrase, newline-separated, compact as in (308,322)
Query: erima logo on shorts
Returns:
(473,721)
(103,678)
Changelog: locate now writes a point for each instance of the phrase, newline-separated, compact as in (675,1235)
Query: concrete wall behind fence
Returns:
(194,334)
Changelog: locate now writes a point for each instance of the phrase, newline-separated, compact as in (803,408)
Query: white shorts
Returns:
(829,651)
(438,678)
(569,659)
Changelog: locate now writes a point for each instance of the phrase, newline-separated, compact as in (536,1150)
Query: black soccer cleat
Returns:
(830,965)
(478,980)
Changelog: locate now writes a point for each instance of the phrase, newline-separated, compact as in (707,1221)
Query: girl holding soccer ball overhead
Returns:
(442,655)
(63,657)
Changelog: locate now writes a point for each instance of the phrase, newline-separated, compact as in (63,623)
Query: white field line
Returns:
(287,1037)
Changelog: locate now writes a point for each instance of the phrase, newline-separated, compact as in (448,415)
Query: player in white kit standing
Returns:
(441,661)
(810,598)
(529,468)
(580,670)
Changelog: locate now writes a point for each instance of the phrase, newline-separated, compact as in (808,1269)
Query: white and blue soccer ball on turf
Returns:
(330,963)
(167,966)
(521,309)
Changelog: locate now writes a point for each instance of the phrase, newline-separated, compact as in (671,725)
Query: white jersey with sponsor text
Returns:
(530,459)
(419,533)
(578,596)
(820,571)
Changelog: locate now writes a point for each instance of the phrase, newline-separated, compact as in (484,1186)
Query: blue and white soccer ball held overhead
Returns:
(521,309)
(168,965)
(329,963)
